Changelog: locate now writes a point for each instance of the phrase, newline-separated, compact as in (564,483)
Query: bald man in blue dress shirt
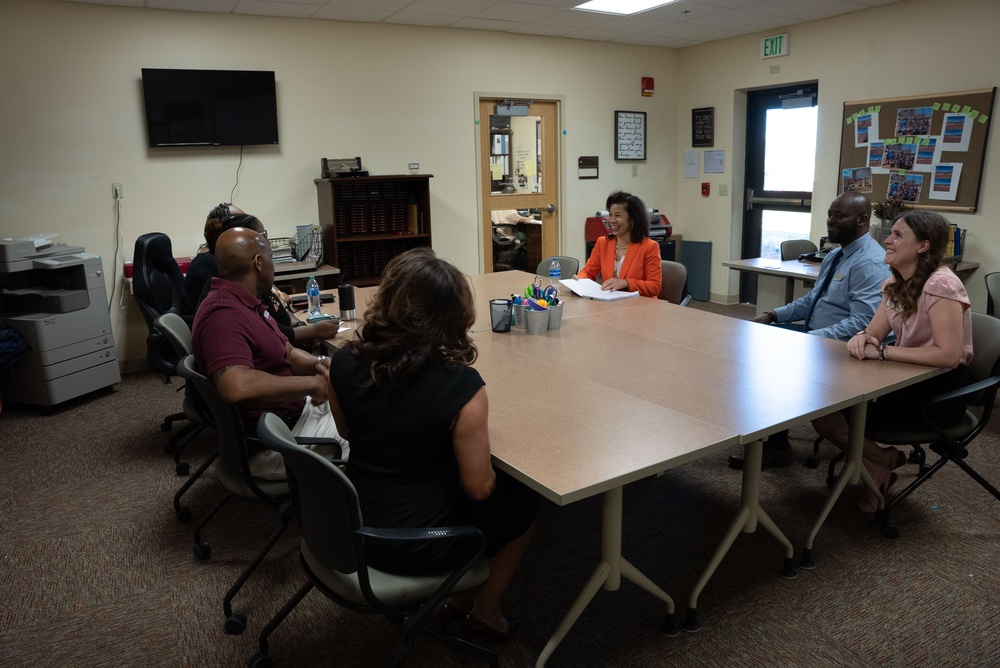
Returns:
(843,301)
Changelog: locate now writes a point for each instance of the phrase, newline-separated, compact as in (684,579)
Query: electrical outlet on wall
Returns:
(723,190)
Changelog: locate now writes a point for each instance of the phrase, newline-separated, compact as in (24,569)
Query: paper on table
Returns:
(584,287)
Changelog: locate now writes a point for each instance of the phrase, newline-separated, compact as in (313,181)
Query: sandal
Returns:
(868,503)
(474,629)
(898,460)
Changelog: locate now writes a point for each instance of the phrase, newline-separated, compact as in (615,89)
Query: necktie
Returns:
(837,257)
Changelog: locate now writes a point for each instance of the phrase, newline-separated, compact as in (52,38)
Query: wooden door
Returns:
(519,170)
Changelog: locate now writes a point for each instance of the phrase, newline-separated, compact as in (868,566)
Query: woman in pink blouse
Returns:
(926,307)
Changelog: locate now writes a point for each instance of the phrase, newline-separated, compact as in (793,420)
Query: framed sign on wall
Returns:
(703,126)
(630,135)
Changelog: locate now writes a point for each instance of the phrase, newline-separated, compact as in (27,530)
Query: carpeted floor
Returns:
(95,569)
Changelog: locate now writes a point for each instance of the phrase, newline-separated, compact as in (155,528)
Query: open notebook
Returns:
(584,287)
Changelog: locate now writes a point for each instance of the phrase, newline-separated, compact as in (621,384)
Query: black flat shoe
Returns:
(474,630)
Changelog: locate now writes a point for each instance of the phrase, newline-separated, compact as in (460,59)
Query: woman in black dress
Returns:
(416,414)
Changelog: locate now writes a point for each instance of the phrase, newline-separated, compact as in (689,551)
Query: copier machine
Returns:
(53,296)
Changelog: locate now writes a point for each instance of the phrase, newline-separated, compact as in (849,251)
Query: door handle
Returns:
(550,208)
(788,201)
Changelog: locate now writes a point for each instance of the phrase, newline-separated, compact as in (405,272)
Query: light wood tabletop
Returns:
(627,389)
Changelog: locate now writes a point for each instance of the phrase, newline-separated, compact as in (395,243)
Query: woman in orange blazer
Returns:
(627,259)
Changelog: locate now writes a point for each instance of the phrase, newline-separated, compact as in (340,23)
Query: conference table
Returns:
(639,386)
(776,279)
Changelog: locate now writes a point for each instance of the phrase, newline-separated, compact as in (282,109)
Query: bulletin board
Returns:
(927,151)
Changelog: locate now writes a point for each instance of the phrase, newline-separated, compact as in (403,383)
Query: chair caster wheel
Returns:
(831,480)
(259,660)
(202,551)
(183,515)
(182,468)
(236,624)
(890,531)
(812,461)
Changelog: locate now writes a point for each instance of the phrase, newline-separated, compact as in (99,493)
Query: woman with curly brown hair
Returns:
(417,417)
(926,307)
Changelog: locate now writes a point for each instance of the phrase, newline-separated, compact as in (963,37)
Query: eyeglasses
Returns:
(263,233)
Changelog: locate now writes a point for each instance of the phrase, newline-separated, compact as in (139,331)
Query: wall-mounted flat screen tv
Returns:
(209,107)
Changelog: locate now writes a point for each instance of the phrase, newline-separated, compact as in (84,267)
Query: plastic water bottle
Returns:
(312,294)
(555,273)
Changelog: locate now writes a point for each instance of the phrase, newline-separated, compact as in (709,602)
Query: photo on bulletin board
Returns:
(928,151)
(630,135)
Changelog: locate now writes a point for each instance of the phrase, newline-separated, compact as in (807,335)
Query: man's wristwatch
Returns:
(773,315)
(319,360)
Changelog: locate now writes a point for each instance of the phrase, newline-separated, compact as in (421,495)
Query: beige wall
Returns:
(71,122)
(907,48)
(71,118)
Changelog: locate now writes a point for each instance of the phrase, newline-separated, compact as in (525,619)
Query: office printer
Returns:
(54,297)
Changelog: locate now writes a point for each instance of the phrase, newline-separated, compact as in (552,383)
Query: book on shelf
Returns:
(584,287)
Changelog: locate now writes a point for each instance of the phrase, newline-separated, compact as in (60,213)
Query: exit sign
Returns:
(774,46)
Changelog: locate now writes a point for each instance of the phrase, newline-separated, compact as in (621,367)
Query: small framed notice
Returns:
(630,135)
(703,126)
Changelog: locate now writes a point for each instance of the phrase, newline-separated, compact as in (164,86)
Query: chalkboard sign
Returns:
(630,135)
(703,126)
(926,150)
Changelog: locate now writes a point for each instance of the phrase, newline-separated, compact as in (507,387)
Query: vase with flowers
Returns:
(886,212)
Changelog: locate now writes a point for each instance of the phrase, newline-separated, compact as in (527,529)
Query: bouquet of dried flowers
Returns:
(889,209)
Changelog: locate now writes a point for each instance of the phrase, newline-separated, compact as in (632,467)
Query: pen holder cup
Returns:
(536,322)
(500,311)
(555,316)
(517,318)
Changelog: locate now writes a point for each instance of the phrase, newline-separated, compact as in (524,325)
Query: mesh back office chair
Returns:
(791,249)
(675,283)
(333,552)
(951,443)
(157,284)
(179,334)
(568,266)
(508,248)
(992,292)
(233,471)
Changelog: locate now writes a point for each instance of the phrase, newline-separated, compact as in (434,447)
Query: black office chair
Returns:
(157,285)
(951,443)
(195,408)
(233,471)
(333,552)
(508,248)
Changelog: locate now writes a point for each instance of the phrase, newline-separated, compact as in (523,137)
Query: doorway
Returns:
(519,171)
(780,169)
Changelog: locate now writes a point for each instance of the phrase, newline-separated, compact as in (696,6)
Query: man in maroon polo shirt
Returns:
(239,346)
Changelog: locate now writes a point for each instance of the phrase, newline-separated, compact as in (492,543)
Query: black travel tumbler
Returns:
(346,294)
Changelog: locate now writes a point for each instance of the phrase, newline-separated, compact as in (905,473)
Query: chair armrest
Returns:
(317,440)
(965,391)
